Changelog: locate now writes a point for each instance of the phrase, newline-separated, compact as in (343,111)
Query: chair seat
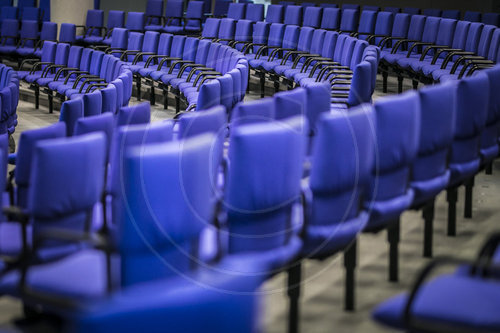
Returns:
(454,301)
(428,189)
(384,212)
(153,27)
(463,171)
(173,29)
(8,49)
(269,261)
(322,241)
(93,39)
(25,51)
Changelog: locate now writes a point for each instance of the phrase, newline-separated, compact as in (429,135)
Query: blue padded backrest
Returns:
(350,20)
(260,32)
(104,123)
(398,128)
(367,21)
(317,41)
(243,32)
(10,28)
(221,7)
(290,103)
(291,36)
(484,42)
(258,203)
(433,12)
(329,44)
(472,16)
(119,38)
(52,200)
(305,39)
(190,48)
(71,111)
(437,128)
(213,120)
(150,43)
(493,47)
(25,154)
(339,47)
(135,40)
(8,12)
(62,52)
(116,19)
(460,36)
(416,28)
(494,101)
(29,29)
(48,51)
(194,14)
(85,59)
(167,189)
(451,13)
(338,186)
(258,111)
(473,37)
(430,29)
(446,31)
(350,6)
(361,91)
(211,28)
(347,51)
(293,15)
(236,11)
(255,12)
(401,25)
(49,31)
(227,28)
(165,44)
(154,8)
(67,34)
(318,102)
(394,10)
(202,52)
(491,19)
(274,14)
(135,21)
(95,18)
(276,32)
(96,62)
(357,53)
(384,25)
(92,103)
(26,3)
(210,95)
(174,9)
(30,13)
(312,17)
(132,115)
(177,46)
(330,19)
(328,5)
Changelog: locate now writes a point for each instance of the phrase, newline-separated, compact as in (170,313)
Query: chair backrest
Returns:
(243,32)
(227,28)
(312,17)
(30,13)
(350,20)
(154,10)
(261,32)
(10,28)
(401,25)
(431,28)
(26,3)
(491,19)
(104,123)
(446,32)
(258,111)
(194,14)
(384,25)
(71,111)
(221,8)
(317,41)
(330,19)
(211,28)
(116,19)
(411,10)
(274,14)
(254,12)
(165,44)
(328,5)
(9,13)
(437,110)
(25,153)
(451,14)
(44,6)
(48,51)
(95,18)
(49,31)
(190,48)
(350,6)
(393,10)
(460,36)
(416,28)
(293,15)
(472,16)
(177,47)
(484,41)
(259,203)
(367,21)
(29,29)
(338,188)
(236,11)
(167,188)
(119,38)
(398,128)
(291,37)
(473,37)
(67,34)
(432,12)
(135,21)
(305,39)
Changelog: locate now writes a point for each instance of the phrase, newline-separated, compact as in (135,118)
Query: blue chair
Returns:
(274,14)
(293,15)
(465,301)
(173,16)
(432,12)
(94,24)
(221,8)
(135,22)
(71,111)
(312,17)
(254,12)
(154,10)
(472,16)
(464,162)
(491,19)
(430,174)
(133,115)
(330,19)
(489,138)
(389,195)
(236,11)
(334,215)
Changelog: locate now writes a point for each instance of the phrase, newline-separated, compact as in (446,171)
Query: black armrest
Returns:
(175,63)
(431,47)
(417,44)
(141,54)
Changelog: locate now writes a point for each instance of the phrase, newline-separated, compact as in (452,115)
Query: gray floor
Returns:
(322,291)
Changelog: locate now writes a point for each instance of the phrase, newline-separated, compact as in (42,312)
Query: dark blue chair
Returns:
(331,19)
(221,8)
(274,14)
(254,12)
(465,159)
(154,11)
(472,16)
(389,195)
(94,24)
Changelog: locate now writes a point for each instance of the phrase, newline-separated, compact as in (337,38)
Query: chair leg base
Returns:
(428,215)
(293,290)
(452,198)
(350,259)
(489,168)
(393,238)
(469,187)
(385,76)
